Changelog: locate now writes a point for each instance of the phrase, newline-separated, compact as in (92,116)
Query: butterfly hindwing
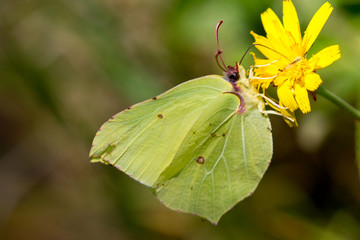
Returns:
(235,149)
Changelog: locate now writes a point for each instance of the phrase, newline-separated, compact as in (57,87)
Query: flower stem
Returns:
(339,101)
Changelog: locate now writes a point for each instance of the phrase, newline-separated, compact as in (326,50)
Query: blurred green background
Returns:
(67,66)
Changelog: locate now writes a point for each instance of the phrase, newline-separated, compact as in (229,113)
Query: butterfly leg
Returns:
(273,104)
(251,71)
(267,112)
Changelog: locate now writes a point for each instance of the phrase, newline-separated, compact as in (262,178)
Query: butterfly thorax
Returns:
(243,89)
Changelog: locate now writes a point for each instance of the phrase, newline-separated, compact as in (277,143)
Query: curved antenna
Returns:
(219,51)
(257,44)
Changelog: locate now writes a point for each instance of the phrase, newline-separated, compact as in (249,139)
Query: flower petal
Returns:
(265,67)
(280,79)
(275,32)
(286,96)
(326,56)
(271,22)
(270,54)
(289,115)
(316,24)
(260,61)
(302,98)
(312,81)
(291,21)
(282,46)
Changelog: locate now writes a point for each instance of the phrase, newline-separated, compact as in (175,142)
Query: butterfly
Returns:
(203,145)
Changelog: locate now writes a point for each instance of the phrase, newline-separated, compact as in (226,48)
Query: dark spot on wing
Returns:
(223,135)
(213,135)
(200,160)
(154,98)
(210,124)
(194,132)
(160,115)
(191,187)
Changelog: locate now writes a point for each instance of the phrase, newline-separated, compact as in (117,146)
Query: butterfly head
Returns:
(232,73)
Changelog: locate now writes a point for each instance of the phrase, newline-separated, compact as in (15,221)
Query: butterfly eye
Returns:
(234,76)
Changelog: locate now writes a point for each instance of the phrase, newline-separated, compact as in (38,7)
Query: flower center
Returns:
(295,71)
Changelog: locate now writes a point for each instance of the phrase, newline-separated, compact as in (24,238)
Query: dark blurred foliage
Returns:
(67,66)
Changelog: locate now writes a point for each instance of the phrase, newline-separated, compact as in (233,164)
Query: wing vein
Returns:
(198,193)
(223,150)
(136,137)
(177,133)
(207,137)
(244,151)
(228,173)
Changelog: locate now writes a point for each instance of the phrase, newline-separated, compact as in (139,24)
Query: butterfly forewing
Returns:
(142,140)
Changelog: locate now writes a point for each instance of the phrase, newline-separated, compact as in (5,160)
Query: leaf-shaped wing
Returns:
(220,162)
(143,140)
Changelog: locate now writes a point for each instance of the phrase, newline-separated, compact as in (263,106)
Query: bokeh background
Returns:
(67,66)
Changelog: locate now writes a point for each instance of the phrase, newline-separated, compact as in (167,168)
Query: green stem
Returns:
(339,101)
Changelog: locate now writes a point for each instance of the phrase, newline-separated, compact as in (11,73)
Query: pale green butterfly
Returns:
(203,145)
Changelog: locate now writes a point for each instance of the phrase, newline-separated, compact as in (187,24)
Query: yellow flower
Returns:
(286,65)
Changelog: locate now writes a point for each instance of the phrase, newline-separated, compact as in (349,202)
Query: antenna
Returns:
(257,44)
(219,51)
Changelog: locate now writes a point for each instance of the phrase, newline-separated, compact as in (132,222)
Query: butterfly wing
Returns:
(143,139)
(193,144)
(220,162)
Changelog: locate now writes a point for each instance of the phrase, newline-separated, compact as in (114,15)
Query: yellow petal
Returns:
(312,81)
(266,84)
(275,32)
(316,24)
(282,46)
(260,66)
(279,80)
(271,22)
(286,96)
(270,54)
(291,21)
(289,114)
(326,57)
(259,61)
(302,98)
(266,71)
